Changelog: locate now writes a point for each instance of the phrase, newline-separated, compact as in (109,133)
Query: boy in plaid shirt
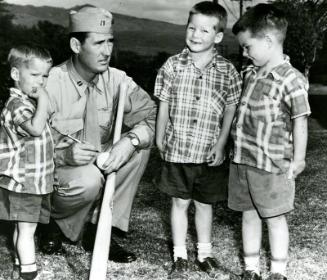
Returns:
(26,154)
(198,92)
(270,137)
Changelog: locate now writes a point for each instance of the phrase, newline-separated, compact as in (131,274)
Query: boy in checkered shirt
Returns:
(26,154)
(270,138)
(198,91)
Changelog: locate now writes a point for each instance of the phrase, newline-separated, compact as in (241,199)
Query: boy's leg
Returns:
(251,235)
(179,224)
(26,249)
(279,242)
(16,266)
(203,225)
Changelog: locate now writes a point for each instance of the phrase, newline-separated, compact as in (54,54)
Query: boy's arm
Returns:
(300,138)
(217,151)
(35,125)
(162,120)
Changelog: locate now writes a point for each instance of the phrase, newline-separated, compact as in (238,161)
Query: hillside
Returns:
(143,36)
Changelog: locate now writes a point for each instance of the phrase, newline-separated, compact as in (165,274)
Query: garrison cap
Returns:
(90,19)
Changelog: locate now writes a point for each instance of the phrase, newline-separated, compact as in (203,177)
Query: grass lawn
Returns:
(150,232)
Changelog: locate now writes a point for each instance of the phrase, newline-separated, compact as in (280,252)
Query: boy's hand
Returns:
(36,93)
(216,155)
(296,167)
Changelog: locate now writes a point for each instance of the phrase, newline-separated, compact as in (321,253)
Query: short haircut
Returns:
(21,55)
(211,9)
(80,36)
(262,18)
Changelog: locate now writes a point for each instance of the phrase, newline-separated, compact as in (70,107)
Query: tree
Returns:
(306,30)
(6,31)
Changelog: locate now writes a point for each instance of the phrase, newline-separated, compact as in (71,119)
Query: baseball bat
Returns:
(103,235)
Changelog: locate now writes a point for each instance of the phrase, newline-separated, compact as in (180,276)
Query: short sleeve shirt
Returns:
(262,129)
(197,101)
(26,162)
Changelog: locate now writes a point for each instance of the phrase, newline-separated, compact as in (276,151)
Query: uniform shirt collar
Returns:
(217,61)
(80,84)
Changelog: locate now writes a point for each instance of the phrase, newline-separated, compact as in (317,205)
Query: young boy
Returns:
(198,92)
(26,154)
(270,137)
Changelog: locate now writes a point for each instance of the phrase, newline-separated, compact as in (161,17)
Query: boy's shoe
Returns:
(276,276)
(211,267)
(251,275)
(179,269)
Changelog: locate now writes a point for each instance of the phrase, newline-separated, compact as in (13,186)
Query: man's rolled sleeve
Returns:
(141,119)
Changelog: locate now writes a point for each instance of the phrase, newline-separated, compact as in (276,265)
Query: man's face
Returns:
(95,52)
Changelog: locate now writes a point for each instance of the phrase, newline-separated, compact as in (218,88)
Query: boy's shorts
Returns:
(24,207)
(251,188)
(203,183)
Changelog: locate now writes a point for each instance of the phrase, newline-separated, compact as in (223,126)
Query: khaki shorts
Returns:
(252,188)
(22,207)
(200,182)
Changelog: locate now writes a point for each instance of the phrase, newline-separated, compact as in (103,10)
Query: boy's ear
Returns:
(75,45)
(219,37)
(269,39)
(14,74)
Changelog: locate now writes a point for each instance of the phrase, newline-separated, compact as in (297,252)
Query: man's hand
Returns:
(80,154)
(120,153)
(216,155)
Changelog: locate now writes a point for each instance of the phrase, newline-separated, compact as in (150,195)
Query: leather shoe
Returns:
(116,252)
(119,254)
(50,239)
(212,268)
(119,233)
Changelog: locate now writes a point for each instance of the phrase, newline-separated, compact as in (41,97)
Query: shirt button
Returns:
(238,126)
(197,97)
(243,103)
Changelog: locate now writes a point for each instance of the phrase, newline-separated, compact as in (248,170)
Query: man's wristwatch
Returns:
(134,139)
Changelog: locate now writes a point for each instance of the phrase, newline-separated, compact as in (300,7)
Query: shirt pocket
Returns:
(264,103)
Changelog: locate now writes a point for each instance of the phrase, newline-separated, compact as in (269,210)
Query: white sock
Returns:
(204,251)
(278,266)
(180,252)
(252,263)
(28,267)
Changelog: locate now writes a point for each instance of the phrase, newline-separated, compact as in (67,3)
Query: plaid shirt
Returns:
(262,129)
(197,100)
(26,162)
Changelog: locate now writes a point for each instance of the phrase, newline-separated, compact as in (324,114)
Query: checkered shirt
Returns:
(26,162)
(262,129)
(197,100)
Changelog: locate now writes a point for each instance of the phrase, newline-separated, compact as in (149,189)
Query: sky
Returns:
(174,11)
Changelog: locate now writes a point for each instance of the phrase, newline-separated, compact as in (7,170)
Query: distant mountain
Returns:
(142,36)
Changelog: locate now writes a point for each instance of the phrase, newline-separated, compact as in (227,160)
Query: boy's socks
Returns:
(28,271)
(278,266)
(252,262)
(204,251)
(180,252)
